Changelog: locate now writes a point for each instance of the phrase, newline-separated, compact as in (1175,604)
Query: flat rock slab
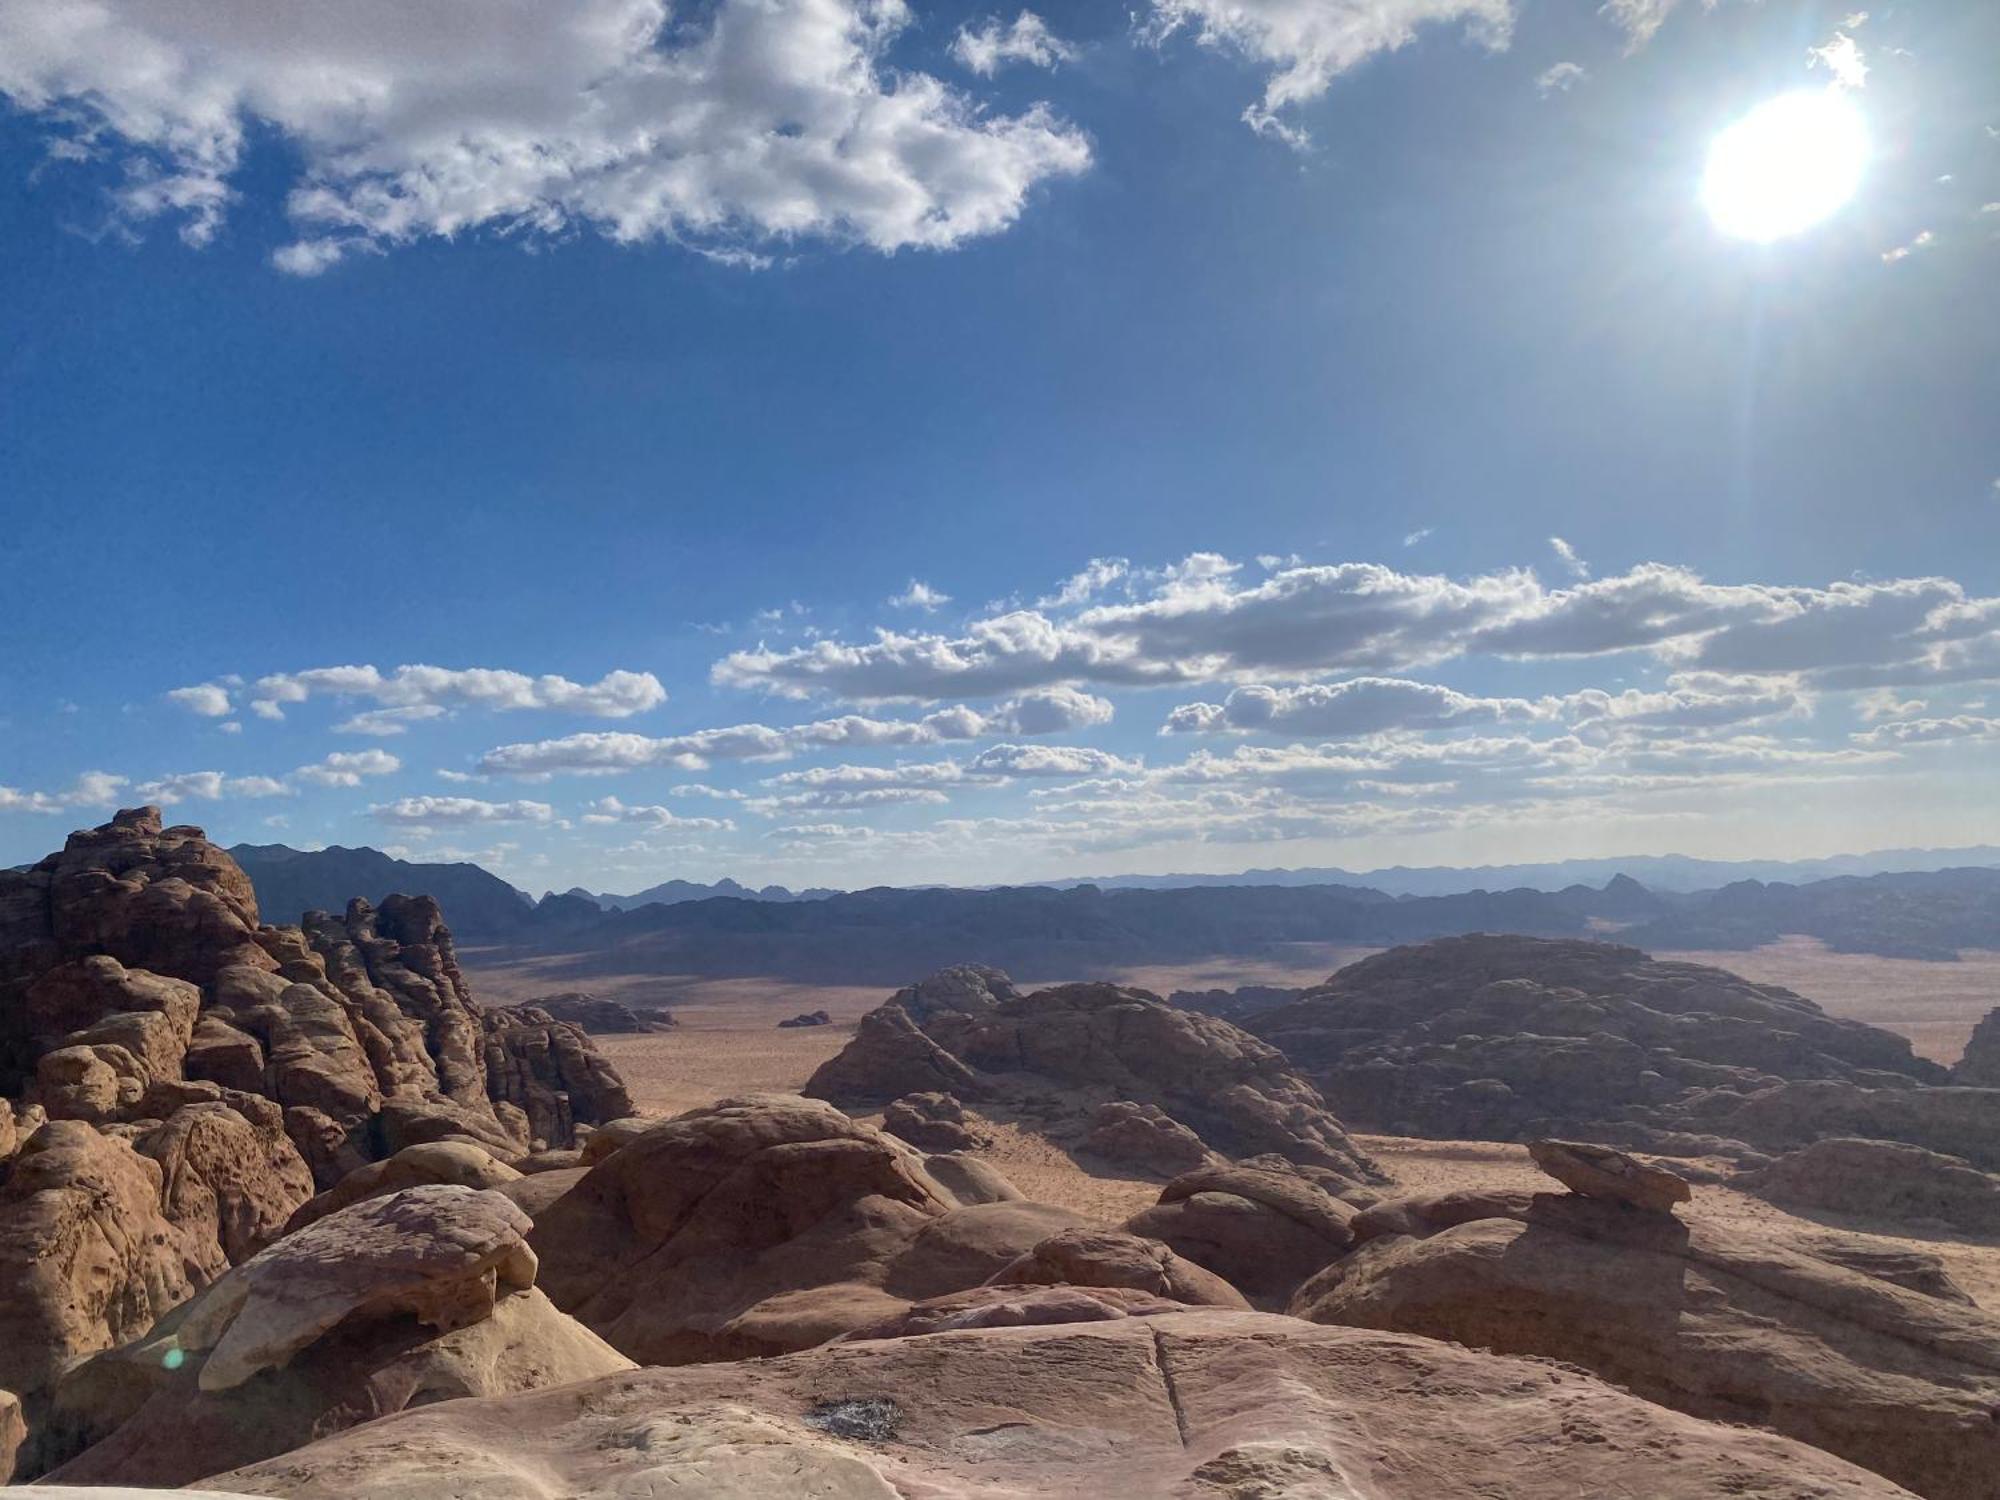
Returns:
(1202,1403)
(1602,1172)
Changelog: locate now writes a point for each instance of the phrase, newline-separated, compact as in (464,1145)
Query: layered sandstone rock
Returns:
(1195,1403)
(764,1224)
(1600,1172)
(1262,1229)
(932,1122)
(1980,1066)
(1902,1188)
(1507,1038)
(1144,1136)
(601,1017)
(1111,1258)
(1068,1049)
(1716,1323)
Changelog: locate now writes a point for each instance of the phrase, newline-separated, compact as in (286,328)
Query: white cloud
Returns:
(1842,58)
(230,726)
(1421,533)
(348,767)
(441,812)
(607,753)
(1638,19)
(1080,588)
(1308,43)
(1048,760)
(207,786)
(732,128)
(1027,39)
(611,810)
(424,692)
(383,722)
(1922,240)
(209,699)
(1344,710)
(1559,78)
(920,595)
(1931,731)
(90,789)
(1567,556)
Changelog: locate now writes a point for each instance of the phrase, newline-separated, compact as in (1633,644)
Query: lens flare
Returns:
(1786,165)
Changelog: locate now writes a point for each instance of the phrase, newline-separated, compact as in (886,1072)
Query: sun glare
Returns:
(1785,166)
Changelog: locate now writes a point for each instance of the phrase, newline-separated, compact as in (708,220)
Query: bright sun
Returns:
(1785,166)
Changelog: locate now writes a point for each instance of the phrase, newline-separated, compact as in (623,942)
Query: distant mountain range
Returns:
(668,892)
(1658,872)
(885,934)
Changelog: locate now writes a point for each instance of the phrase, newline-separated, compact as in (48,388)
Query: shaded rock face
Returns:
(968,1032)
(1111,1258)
(805,1018)
(1600,1172)
(1980,1066)
(550,1072)
(1263,1229)
(1198,1403)
(419,1296)
(932,1122)
(1963,1122)
(602,1017)
(1144,1136)
(1719,1325)
(764,1224)
(1507,1038)
(1904,1187)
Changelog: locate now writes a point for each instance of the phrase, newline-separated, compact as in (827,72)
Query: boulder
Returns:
(760,1225)
(932,1122)
(457,1162)
(13,1432)
(230,1177)
(440,1254)
(805,1018)
(1203,1402)
(1722,1324)
(1144,1136)
(1110,1258)
(600,1017)
(1509,1038)
(1261,1229)
(1601,1172)
(1905,1188)
(360,1370)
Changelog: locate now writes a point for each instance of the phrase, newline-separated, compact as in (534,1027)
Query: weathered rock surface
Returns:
(967,1032)
(761,1225)
(1508,1038)
(805,1018)
(1144,1136)
(1198,1403)
(230,1177)
(1264,1230)
(1952,1121)
(1717,1324)
(1905,1188)
(362,1369)
(1112,1258)
(1601,1172)
(457,1162)
(550,1072)
(1013,1305)
(601,1017)
(932,1122)
(1980,1066)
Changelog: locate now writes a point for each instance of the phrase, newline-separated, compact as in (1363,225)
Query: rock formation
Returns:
(1905,1189)
(1064,1051)
(761,1225)
(1111,1258)
(1144,1136)
(1200,1402)
(1980,1066)
(1600,1172)
(932,1122)
(805,1018)
(1263,1229)
(1717,1324)
(1508,1038)
(415,1297)
(601,1017)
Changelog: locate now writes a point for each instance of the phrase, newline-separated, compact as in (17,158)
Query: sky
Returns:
(842,442)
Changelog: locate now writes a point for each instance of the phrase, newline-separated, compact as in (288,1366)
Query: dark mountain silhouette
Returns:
(289,881)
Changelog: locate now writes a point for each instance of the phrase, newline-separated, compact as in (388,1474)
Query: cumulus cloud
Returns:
(206,786)
(604,753)
(1048,760)
(1306,44)
(443,812)
(389,721)
(1559,78)
(731,127)
(209,699)
(990,46)
(424,692)
(348,767)
(1346,710)
(1691,701)
(920,595)
(611,810)
(1931,731)
(91,789)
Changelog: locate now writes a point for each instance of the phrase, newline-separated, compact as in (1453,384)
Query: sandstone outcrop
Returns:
(1508,1038)
(1196,1403)
(1264,1230)
(1144,1136)
(1011,1305)
(1952,1121)
(459,1163)
(1719,1324)
(764,1224)
(601,1017)
(1980,1065)
(932,1122)
(1064,1051)
(805,1018)
(1600,1172)
(549,1071)
(1905,1189)
(1111,1258)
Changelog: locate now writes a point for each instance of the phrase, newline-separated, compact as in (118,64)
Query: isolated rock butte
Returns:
(1197,1403)
(601,1017)
(968,1032)
(1507,1038)
(1718,1323)
(761,1225)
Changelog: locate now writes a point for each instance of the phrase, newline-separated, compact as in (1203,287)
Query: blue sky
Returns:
(621,375)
